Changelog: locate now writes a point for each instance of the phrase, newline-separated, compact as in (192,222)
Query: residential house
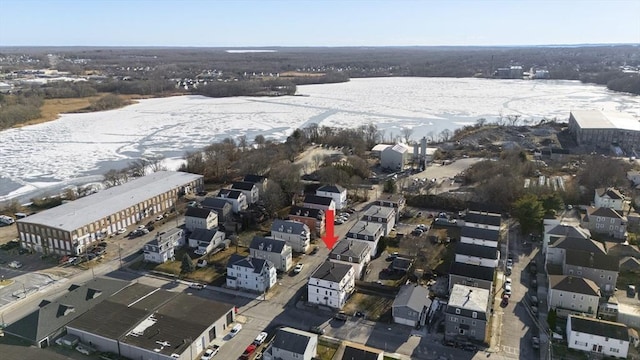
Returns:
(336,192)
(292,344)
(467,313)
(560,245)
(411,305)
(382,215)
(597,336)
(573,295)
(608,309)
(313,218)
(396,201)
(630,264)
(221,206)
(396,157)
(162,248)
(477,255)
(621,250)
(609,198)
(601,269)
(47,322)
(354,253)
(205,241)
(260,181)
(401,264)
(606,221)
(634,177)
(200,218)
(323,203)
(353,351)
(555,229)
(251,274)
(331,284)
(483,220)
(478,236)
(237,199)
(275,250)
(471,275)
(369,233)
(296,234)
(249,189)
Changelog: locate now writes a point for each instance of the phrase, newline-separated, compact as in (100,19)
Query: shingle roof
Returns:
(205,235)
(602,328)
(243,185)
(486,218)
(292,340)
(306,212)
(337,189)
(573,284)
(230,194)
(319,200)
(347,248)
(248,262)
(612,193)
(629,263)
(58,313)
(215,203)
(197,212)
(472,271)
(355,351)
(578,244)
(295,227)
(591,260)
(365,228)
(605,212)
(412,296)
(379,211)
(485,252)
(400,263)
(476,233)
(569,231)
(331,271)
(80,212)
(267,244)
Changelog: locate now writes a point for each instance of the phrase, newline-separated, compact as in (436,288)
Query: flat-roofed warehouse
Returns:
(71,227)
(602,129)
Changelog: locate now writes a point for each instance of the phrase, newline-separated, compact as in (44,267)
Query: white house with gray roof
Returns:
(162,248)
(467,313)
(386,216)
(478,236)
(411,305)
(294,233)
(601,269)
(292,344)
(200,218)
(331,284)
(336,192)
(610,198)
(275,250)
(205,240)
(354,253)
(72,227)
(368,233)
(477,255)
(555,229)
(248,273)
(573,295)
(483,220)
(249,189)
(597,336)
(557,249)
(236,198)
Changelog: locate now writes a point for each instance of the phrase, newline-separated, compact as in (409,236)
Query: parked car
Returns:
(507,281)
(159,217)
(140,227)
(197,286)
(505,300)
(199,251)
(298,268)
(260,338)
(631,291)
(510,262)
(236,329)
(315,250)
(509,270)
(507,289)
(15,264)
(210,352)
(248,352)
(121,231)
(341,316)
(317,330)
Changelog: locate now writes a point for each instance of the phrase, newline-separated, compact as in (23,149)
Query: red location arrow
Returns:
(329,237)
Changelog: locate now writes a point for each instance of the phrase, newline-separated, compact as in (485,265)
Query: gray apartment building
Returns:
(467,314)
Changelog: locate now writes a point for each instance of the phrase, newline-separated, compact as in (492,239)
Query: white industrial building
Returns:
(605,129)
(72,227)
(396,157)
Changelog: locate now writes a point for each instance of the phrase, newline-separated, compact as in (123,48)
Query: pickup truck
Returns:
(210,352)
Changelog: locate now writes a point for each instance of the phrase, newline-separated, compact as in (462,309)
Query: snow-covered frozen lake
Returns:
(78,148)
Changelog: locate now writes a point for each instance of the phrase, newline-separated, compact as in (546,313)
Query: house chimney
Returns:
(591,259)
(569,279)
(469,294)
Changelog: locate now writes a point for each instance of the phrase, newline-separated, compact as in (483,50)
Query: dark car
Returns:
(202,193)
(341,316)
(317,330)
(315,250)
(470,347)
(449,343)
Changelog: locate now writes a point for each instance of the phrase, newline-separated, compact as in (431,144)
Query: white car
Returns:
(15,264)
(200,251)
(298,268)
(141,227)
(509,262)
(236,329)
(121,231)
(208,354)
(260,338)
(197,286)
(507,281)
(507,289)
(159,217)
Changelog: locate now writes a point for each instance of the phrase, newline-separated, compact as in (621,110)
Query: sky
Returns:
(226,23)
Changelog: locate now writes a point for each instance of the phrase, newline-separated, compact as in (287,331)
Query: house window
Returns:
(350,259)
(474,315)
(614,350)
(457,311)
(473,323)
(337,257)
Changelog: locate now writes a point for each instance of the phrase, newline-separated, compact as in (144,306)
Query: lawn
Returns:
(373,306)
(326,350)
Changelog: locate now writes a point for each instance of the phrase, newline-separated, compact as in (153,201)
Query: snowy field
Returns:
(78,148)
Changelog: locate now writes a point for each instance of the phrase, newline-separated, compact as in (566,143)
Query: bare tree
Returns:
(139,167)
(445,135)
(156,164)
(406,133)
(481,122)
(259,140)
(513,119)
(242,142)
(431,135)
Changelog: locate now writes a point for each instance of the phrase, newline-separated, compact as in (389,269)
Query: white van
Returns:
(236,329)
